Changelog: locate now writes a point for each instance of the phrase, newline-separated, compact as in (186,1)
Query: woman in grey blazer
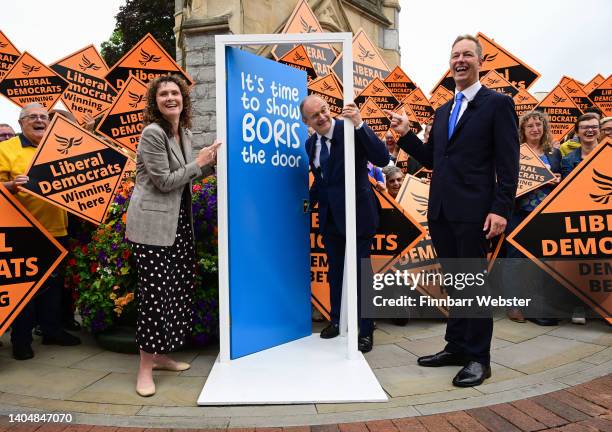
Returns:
(159,226)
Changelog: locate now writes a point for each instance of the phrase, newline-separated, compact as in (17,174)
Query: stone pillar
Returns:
(198,21)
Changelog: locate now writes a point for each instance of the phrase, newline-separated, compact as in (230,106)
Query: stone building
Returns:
(198,21)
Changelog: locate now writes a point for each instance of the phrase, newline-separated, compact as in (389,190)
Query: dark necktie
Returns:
(452,122)
(324,155)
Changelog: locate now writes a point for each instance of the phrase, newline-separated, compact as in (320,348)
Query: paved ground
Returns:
(566,362)
(585,407)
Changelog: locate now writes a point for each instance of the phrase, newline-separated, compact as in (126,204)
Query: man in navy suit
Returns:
(325,150)
(473,149)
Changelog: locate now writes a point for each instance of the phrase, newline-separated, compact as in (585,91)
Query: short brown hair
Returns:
(151,111)
(473,39)
(585,117)
(546,139)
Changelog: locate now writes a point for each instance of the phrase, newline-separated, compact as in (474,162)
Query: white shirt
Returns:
(328,135)
(468,95)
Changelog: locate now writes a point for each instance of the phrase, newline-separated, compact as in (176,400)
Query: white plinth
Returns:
(309,370)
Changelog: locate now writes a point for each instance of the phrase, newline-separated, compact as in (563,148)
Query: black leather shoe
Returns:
(544,321)
(331,331)
(364,343)
(23,352)
(443,358)
(63,338)
(472,374)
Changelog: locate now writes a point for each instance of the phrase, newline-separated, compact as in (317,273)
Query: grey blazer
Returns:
(161,174)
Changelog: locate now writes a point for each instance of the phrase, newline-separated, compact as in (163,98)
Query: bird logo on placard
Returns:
(521,98)
(570,90)
(66,144)
(298,57)
(416,98)
(3,45)
(421,203)
(27,69)
(604,183)
(307,27)
(327,87)
(365,54)
(147,58)
(377,89)
(369,111)
(489,57)
(491,81)
(87,64)
(525,157)
(136,99)
(397,75)
(558,99)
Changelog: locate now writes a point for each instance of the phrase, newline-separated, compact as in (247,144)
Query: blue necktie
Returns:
(452,122)
(324,155)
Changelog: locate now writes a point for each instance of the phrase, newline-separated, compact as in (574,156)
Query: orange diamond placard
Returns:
(413,121)
(532,171)
(303,20)
(329,89)
(379,93)
(29,81)
(375,118)
(602,96)
(298,58)
(440,96)
(8,54)
(367,62)
(145,61)
(496,82)
(420,105)
(575,91)
(75,170)
(28,255)
(524,102)
(595,81)
(562,112)
(89,92)
(399,83)
(122,123)
(569,234)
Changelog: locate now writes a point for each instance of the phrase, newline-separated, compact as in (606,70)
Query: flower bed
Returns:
(100,267)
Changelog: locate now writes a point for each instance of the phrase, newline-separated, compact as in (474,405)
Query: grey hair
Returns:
(28,106)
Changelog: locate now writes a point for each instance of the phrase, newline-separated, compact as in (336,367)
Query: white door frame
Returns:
(348,318)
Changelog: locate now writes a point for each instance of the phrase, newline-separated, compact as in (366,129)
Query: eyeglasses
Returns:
(607,130)
(588,127)
(34,117)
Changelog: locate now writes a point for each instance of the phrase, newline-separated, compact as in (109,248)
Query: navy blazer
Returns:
(476,171)
(328,188)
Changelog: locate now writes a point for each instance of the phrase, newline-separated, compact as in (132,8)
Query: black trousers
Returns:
(43,309)
(465,335)
(335,243)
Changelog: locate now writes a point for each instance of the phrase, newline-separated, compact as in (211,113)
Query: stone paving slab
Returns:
(98,387)
(585,407)
(542,353)
(119,388)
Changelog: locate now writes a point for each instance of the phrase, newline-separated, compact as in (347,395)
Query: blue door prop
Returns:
(269,269)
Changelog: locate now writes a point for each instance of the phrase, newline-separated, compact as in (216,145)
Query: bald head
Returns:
(315,114)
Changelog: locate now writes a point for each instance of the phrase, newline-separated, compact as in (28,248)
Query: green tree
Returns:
(134,21)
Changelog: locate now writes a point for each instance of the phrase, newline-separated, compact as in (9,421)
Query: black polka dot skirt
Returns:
(166,282)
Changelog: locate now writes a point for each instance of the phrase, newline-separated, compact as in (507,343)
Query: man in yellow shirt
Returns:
(15,156)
